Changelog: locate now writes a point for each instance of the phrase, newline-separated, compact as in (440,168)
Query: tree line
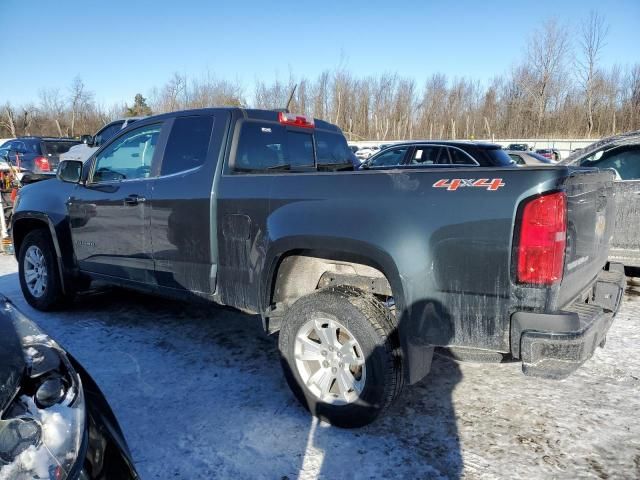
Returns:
(558,89)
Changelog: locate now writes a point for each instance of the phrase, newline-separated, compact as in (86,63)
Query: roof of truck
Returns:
(248,113)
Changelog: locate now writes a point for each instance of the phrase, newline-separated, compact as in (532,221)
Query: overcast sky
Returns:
(120,47)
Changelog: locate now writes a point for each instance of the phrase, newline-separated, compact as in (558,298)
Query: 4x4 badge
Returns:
(453,184)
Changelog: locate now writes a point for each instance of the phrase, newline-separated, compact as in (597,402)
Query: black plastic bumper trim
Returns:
(555,345)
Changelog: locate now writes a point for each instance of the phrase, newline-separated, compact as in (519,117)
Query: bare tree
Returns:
(53,107)
(546,54)
(80,100)
(591,41)
(8,121)
(534,98)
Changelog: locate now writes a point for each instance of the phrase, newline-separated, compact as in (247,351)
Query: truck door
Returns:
(109,214)
(260,150)
(183,226)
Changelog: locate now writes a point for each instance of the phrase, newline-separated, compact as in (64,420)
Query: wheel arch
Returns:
(24,223)
(294,268)
(417,358)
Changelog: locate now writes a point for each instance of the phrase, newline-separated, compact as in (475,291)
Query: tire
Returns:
(358,316)
(38,242)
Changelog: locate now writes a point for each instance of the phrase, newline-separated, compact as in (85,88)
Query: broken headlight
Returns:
(42,430)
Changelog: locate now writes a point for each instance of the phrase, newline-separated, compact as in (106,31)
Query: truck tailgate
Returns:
(590,225)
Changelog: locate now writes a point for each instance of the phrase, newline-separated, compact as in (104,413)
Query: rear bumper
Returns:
(555,345)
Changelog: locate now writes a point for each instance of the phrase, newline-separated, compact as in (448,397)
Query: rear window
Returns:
(269,146)
(57,147)
(537,156)
(499,157)
(332,149)
(187,145)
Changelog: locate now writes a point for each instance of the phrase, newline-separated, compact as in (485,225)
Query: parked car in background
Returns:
(622,154)
(433,152)
(54,421)
(528,158)
(550,153)
(520,147)
(91,143)
(36,154)
(366,152)
(354,148)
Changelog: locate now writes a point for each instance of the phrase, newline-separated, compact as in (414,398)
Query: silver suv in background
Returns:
(90,143)
(620,153)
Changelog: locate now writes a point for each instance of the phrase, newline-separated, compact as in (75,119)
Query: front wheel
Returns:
(340,355)
(38,272)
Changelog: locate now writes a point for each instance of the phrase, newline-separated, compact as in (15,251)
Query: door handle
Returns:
(134,200)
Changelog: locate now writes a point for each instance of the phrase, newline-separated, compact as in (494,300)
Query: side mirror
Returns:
(87,140)
(70,171)
(615,170)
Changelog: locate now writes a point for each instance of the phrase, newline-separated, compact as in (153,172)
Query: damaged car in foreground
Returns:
(54,421)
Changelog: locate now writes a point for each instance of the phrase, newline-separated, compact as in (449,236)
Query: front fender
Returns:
(44,204)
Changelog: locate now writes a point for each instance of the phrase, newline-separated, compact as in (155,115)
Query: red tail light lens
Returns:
(295,120)
(42,164)
(543,234)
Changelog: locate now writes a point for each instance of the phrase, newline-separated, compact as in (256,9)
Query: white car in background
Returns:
(365,152)
(90,143)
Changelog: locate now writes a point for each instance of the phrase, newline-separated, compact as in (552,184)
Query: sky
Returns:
(120,48)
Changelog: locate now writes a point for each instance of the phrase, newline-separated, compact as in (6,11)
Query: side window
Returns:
(332,149)
(389,158)
(458,157)
(18,146)
(429,155)
(188,144)
(260,147)
(268,146)
(129,157)
(626,163)
(517,158)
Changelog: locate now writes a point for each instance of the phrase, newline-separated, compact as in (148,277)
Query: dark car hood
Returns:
(12,363)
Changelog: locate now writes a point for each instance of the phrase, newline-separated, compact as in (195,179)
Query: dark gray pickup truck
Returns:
(363,273)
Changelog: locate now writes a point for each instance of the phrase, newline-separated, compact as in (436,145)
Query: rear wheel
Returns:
(38,272)
(340,355)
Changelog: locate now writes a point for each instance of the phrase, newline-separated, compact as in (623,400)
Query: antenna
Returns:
(286,108)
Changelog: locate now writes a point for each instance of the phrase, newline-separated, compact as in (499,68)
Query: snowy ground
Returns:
(199,394)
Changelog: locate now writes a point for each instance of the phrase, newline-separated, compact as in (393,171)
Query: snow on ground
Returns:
(199,394)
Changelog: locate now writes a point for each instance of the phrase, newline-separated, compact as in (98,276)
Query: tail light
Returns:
(295,120)
(42,164)
(543,234)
